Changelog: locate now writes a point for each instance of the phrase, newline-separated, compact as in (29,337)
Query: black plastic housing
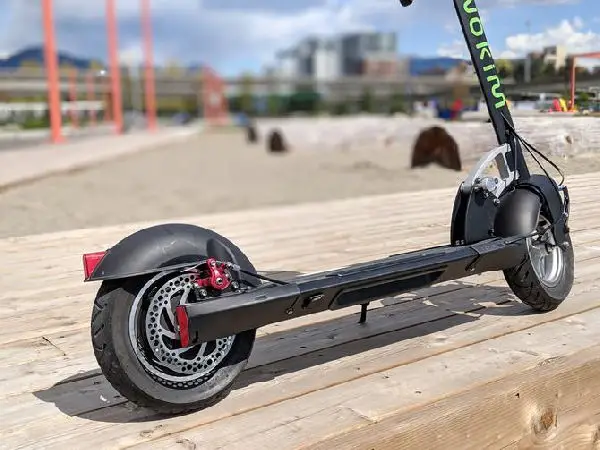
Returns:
(353,285)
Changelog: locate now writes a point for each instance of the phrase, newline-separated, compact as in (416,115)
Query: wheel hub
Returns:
(546,257)
(155,336)
(162,335)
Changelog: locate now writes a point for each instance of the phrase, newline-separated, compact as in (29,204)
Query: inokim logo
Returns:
(485,54)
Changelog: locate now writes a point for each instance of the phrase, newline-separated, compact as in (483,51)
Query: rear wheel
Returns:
(136,344)
(545,278)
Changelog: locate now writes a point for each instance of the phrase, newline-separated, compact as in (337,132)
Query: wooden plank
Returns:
(352,249)
(553,405)
(300,375)
(60,314)
(316,416)
(75,342)
(28,311)
(71,402)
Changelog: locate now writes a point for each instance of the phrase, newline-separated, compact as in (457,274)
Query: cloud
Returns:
(569,33)
(572,34)
(513,3)
(216,31)
(455,49)
(228,34)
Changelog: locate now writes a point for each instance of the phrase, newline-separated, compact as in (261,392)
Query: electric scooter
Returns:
(175,318)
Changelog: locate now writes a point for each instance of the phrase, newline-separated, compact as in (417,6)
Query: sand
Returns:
(213,173)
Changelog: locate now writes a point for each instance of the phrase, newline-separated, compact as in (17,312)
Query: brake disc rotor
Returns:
(166,359)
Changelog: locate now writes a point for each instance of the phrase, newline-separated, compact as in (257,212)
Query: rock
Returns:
(435,145)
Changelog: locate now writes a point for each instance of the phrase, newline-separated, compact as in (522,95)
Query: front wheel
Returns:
(545,278)
(136,344)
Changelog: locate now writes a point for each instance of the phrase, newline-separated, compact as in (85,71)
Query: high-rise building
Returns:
(350,54)
(364,51)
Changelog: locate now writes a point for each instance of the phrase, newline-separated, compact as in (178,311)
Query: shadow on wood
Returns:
(435,145)
(88,394)
(276,143)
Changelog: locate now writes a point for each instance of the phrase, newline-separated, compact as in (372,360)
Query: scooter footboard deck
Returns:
(352,285)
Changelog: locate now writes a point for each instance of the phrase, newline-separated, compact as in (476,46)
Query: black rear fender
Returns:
(162,247)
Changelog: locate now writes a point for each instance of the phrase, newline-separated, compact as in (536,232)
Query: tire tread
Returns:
(112,368)
(525,284)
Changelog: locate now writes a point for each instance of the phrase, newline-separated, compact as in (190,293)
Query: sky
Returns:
(240,35)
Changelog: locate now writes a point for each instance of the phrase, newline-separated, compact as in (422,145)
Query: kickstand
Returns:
(363,313)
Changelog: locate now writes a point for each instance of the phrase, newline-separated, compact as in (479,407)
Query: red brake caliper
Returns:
(218,278)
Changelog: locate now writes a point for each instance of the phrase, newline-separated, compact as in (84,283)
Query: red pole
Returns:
(52,73)
(149,65)
(113,56)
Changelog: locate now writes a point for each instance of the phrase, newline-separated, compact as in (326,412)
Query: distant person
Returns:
(457,107)
(243,119)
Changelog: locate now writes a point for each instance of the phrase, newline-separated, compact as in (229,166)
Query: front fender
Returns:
(518,213)
(477,216)
(157,248)
(554,206)
(519,209)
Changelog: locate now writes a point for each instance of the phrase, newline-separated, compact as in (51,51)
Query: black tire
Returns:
(125,372)
(535,291)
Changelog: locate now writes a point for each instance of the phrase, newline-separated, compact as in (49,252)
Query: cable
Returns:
(233,266)
(256,275)
(531,149)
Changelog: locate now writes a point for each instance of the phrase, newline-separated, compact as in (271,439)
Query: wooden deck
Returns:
(460,365)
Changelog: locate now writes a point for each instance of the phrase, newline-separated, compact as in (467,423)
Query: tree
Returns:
(173,69)
(273,105)
(366,101)
(505,67)
(96,67)
(549,70)
(30,66)
(584,97)
(246,94)
(31,63)
(581,70)
(519,71)
(339,108)
(537,68)
(397,103)
(305,100)
(66,69)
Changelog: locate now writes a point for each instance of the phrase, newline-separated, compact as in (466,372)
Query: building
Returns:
(377,66)
(353,54)
(287,67)
(364,52)
(555,55)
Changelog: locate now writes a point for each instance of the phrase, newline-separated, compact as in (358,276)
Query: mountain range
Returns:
(35,56)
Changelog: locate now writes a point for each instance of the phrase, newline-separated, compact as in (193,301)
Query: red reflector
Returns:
(90,261)
(182,320)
